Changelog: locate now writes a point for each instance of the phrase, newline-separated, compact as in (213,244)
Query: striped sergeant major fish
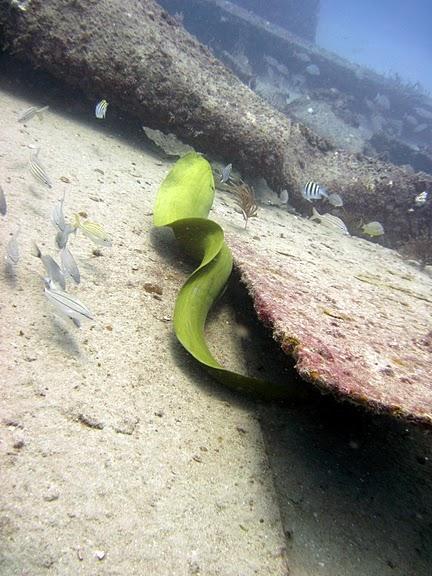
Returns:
(38,171)
(101,109)
(313,191)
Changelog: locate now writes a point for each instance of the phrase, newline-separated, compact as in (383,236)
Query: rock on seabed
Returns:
(355,317)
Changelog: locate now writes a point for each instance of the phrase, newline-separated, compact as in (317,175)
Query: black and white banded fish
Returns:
(69,265)
(53,270)
(3,203)
(38,170)
(313,191)
(30,113)
(12,249)
(101,109)
(226,173)
(66,305)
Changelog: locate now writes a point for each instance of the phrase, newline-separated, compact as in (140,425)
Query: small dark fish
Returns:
(101,109)
(313,191)
(31,112)
(226,173)
(38,170)
(3,204)
(53,270)
(69,265)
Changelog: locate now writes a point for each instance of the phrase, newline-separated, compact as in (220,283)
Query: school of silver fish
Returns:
(55,275)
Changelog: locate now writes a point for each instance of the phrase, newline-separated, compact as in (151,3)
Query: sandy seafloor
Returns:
(119,456)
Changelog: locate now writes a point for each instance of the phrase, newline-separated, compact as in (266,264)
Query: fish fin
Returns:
(76,222)
(36,250)
(315,214)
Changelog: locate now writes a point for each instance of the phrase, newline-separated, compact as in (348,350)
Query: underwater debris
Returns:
(245,199)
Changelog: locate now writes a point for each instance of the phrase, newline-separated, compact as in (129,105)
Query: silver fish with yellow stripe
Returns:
(95,232)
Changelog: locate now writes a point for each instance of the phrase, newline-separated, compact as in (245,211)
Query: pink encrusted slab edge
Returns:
(360,341)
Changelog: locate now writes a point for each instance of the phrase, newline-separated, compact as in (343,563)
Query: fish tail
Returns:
(36,250)
(76,222)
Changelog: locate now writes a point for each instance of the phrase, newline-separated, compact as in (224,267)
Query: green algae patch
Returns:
(183,203)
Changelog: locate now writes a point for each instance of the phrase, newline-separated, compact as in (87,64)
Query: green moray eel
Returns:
(183,203)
